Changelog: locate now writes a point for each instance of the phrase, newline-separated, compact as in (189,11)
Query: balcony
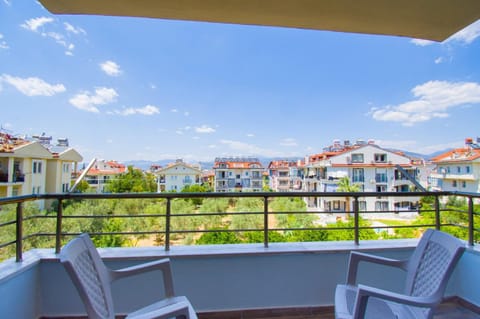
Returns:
(16,178)
(220,280)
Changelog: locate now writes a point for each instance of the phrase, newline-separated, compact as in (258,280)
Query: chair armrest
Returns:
(364,292)
(163,265)
(180,309)
(356,258)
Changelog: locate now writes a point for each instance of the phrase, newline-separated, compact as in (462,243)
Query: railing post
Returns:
(19,232)
(167,225)
(471,221)
(356,220)
(437,213)
(265,221)
(58,234)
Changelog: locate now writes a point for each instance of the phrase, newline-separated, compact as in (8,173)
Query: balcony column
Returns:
(11,160)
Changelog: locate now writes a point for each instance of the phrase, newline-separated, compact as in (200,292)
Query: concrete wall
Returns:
(252,279)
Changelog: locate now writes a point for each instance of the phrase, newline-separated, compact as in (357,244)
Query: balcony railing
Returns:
(468,222)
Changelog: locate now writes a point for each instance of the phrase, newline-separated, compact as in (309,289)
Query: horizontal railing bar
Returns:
(12,222)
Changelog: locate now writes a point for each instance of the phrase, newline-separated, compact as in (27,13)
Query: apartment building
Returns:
(175,176)
(458,169)
(102,172)
(35,165)
(285,176)
(373,168)
(237,174)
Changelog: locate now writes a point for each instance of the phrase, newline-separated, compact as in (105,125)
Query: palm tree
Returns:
(344,185)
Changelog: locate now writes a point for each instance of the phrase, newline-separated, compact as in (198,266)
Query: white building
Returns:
(102,172)
(235,174)
(177,175)
(284,176)
(458,169)
(374,169)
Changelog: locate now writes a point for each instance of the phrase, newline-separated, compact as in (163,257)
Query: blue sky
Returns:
(132,89)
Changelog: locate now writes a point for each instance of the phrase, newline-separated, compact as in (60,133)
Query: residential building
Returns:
(35,166)
(237,174)
(284,175)
(102,172)
(458,169)
(373,168)
(175,176)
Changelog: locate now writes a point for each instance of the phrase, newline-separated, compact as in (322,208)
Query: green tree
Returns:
(133,181)
(195,188)
(344,185)
(218,237)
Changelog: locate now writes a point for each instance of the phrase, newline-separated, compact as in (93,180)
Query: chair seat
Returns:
(377,309)
(165,303)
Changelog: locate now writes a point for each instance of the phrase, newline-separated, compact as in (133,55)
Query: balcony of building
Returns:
(259,280)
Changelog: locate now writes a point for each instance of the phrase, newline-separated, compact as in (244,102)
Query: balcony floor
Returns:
(451,309)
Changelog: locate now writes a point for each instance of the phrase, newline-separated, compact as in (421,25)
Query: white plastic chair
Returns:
(93,281)
(427,274)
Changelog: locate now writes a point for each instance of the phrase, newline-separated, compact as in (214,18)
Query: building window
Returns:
(37,167)
(381,188)
(381,206)
(362,205)
(464,184)
(454,183)
(459,169)
(358,175)
(467,169)
(380,158)
(357,158)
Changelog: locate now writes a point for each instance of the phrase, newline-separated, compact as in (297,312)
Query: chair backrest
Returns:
(90,276)
(432,263)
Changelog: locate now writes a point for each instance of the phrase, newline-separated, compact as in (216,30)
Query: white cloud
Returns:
(467,35)
(250,135)
(204,129)
(32,86)
(146,110)
(70,28)
(111,68)
(421,42)
(439,60)
(174,110)
(35,23)
(3,43)
(289,142)
(434,99)
(89,102)
(186,113)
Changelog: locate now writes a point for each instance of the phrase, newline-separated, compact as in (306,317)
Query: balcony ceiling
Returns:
(424,19)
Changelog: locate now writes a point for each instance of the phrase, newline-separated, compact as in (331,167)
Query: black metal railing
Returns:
(468,223)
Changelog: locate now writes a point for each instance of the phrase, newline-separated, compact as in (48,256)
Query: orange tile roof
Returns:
(458,155)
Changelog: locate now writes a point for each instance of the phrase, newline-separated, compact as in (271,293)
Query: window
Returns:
(381,206)
(454,183)
(358,175)
(37,167)
(467,169)
(66,168)
(464,184)
(357,158)
(459,169)
(362,205)
(381,188)
(336,205)
(381,175)
(380,158)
